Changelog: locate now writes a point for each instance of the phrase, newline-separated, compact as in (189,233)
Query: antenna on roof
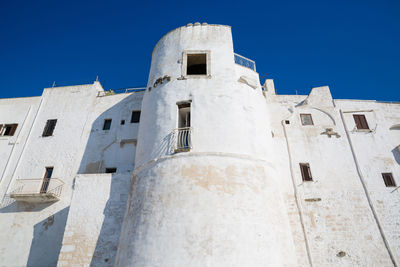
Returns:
(54,84)
(97,78)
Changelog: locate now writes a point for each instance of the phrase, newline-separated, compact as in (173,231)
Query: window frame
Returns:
(388,179)
(306,115)
(303,174)
(185,61)
(49,128)
(104,124)
(132,117)
(362,123)
(4,127)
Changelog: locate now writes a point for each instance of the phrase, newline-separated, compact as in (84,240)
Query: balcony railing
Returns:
(120,91)
(245,62)
(181,139)
(37,190)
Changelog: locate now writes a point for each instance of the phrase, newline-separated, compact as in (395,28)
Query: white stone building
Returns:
(203,167)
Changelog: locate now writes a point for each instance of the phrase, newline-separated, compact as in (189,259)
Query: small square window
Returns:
(306,119)
(107,124)
(135,116)
(122,122)
(111,170)
(196,64)
(49,128)
(361,122)
(388,179)
(305,172)
(287,122)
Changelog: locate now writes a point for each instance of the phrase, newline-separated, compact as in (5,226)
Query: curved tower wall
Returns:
(219,203)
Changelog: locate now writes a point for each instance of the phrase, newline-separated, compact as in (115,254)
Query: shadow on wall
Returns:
(113,148)
(107,243)
(396,154)
(47,240)
(106,148)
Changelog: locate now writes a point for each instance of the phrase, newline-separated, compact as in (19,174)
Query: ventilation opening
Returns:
(111,170)
(196,64)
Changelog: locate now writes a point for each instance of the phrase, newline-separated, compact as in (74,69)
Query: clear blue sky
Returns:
(352,46)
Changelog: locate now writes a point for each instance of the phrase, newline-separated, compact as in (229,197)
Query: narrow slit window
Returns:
(135,116)
(305,172)
(361,122)
(196,64)
(111,170)
(306,119)
(9,129)
(107,124)
(388,179)
(49,128)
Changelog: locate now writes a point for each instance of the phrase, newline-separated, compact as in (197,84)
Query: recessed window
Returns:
(287,122)
(306,119)
(122,122)
(196,64)
(305,172)
(388,179)
(8,129)
(49,128)
(135,116)
(111,170)
(361,122)
(107,124)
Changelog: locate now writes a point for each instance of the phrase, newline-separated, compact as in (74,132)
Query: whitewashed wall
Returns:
(37,229)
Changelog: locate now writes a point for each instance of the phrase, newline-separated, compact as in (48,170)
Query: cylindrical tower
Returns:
(204,193)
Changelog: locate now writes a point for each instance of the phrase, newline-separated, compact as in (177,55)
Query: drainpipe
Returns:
(298,204)
(360,175)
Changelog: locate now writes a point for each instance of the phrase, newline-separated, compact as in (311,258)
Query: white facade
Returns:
(215,179)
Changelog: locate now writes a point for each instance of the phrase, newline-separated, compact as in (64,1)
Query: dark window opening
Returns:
(107,124)
(287,122)
(361,122)
(10,129)
(46,179)
(306,119)
(388,179)
(122,122)
(49,128)
(196,64)
(111,170)
(184,115)
(135,116)
(305,171)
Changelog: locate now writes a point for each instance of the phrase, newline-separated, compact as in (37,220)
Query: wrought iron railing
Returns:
(120,91)
(182,140)
(43,186)
(245,62)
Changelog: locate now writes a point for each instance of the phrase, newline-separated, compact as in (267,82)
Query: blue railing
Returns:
(245,62)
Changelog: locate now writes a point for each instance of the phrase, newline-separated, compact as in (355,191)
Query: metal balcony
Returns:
(181,139)
(245,62)
(37,190)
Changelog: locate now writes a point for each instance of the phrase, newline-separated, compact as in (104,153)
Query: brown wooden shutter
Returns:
(388,179)
(49,128)
(13,129)
(361,122)
(305,171)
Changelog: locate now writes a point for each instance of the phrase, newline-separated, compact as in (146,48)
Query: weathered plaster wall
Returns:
(37,229)
(336,213)
(217,204)
(94,221)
